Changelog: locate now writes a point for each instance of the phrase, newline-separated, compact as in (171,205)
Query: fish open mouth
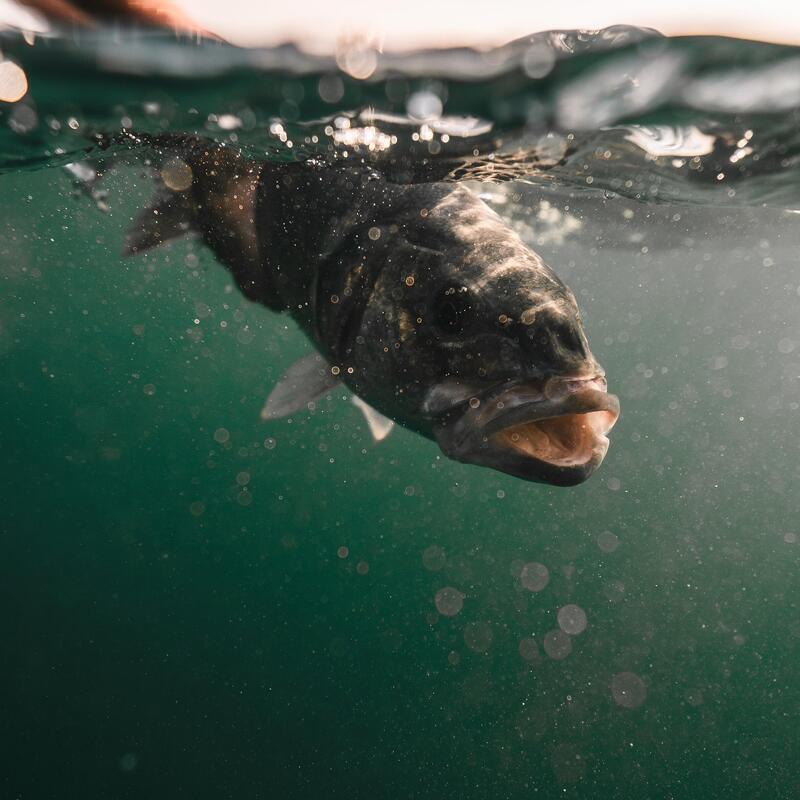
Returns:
(553,432)
(567,441)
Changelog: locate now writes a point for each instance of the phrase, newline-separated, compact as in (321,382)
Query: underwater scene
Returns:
(410,425)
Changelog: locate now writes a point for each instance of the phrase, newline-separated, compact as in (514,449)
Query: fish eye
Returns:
(453,309)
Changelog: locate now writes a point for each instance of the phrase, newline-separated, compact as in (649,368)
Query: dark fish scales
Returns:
(417,297)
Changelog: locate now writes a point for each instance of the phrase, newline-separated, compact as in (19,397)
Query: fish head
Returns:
(469,337)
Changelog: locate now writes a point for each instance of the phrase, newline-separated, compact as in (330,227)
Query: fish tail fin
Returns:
(170,212)
(202,186)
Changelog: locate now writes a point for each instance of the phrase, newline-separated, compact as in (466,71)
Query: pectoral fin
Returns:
(379,426)
(305,381)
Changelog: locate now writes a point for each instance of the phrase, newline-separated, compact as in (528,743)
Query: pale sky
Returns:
(406,24)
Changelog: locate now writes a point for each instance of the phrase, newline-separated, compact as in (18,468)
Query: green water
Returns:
(200,604)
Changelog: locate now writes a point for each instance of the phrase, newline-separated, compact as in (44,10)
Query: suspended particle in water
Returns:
(572,619)
(270,443)
(197,509)
(343,552)
(330,88)
(615,484)
(557,644)
(628,690)
(528,649)
(128,762)
(568,763)
(221,435)
(243,478)
(607,541)
(374,233)
(453,658)
(149,389)
(694,697)
(449,601)
(534,576)
(176,174)
(362,568)
(23,119)
(433,558)
(614,591)
(478,636)
(790,538)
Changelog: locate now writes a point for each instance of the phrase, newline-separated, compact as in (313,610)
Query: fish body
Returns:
(418,297)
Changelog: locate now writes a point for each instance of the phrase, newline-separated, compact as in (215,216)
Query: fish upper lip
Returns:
(481,434)
(560,396)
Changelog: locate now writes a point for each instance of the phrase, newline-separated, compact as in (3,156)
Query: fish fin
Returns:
(379,426)
(167,216)
(305,381)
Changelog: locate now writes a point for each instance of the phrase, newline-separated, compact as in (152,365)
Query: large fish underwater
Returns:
(416,295)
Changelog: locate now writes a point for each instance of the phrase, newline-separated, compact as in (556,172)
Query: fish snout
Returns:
(556,342)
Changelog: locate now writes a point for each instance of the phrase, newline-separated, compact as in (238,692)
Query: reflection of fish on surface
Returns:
(417,297)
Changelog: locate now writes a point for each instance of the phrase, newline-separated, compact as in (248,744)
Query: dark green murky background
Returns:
(180,619)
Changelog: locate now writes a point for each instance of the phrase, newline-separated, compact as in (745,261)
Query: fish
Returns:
(416,296)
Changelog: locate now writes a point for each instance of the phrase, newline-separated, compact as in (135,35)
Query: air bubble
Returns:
(449,601)
(628,690)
